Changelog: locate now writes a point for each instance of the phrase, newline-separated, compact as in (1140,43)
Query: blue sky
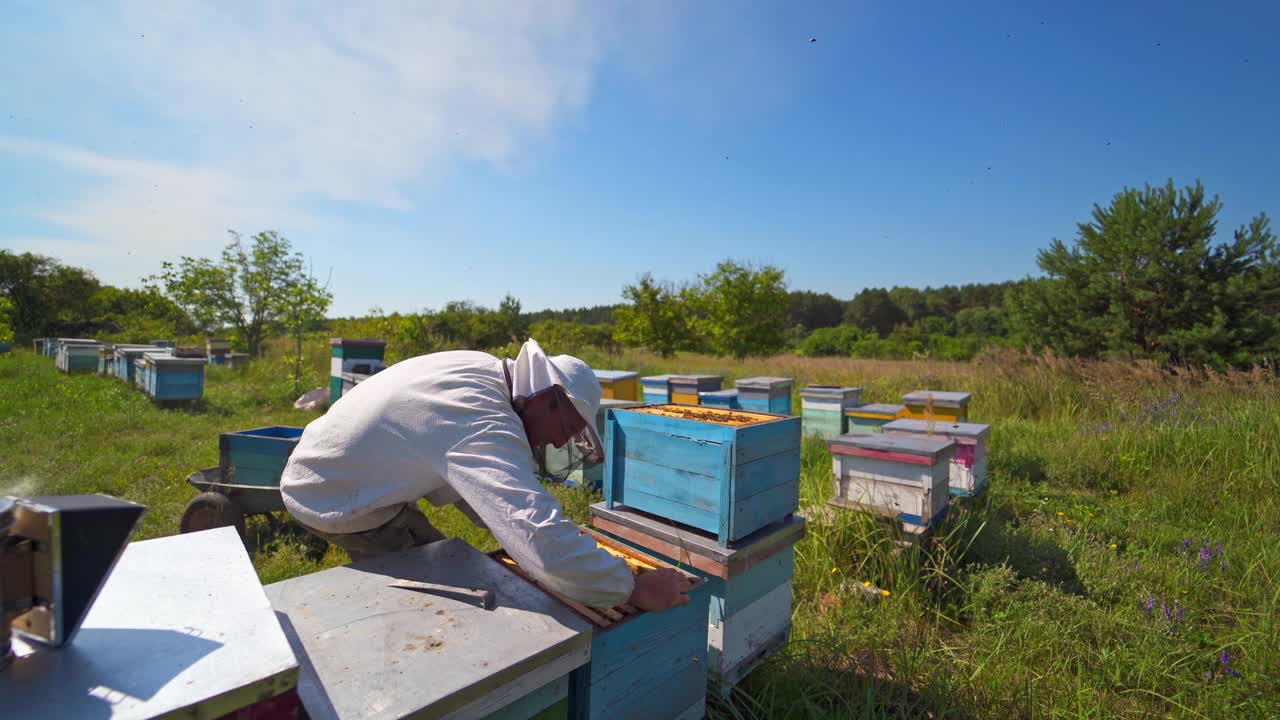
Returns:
(423,152)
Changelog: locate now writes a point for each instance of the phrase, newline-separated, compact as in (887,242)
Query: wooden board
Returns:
(743,640)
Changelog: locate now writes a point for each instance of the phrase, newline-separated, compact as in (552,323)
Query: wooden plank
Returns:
(744,639)
(583,610)
(753,442)
(658,641)
(675,553)
(678,486)
(521,708)
(674,451)
(897,457)
(764,508)
(732,595)
(764,473)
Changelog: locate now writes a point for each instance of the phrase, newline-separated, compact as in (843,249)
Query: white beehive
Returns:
(969,465)
(903,477)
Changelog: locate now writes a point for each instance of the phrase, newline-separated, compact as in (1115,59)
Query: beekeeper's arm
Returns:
(493,472)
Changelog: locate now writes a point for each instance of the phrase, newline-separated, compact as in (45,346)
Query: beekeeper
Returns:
(460,427)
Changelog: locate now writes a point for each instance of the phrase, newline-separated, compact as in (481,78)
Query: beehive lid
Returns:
(694,378)
(359,639)
(78,341)
(971,431)
(361,343)
(181,628)
(615,375)
(710,415)
(723,394)
(834,392)
(655,379)
(170,360)
(886,409)
(920,398)
(764,383)
(897,444)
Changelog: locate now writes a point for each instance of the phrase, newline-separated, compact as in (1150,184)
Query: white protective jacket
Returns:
(442,427)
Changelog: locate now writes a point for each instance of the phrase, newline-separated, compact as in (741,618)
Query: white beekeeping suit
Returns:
(442,427)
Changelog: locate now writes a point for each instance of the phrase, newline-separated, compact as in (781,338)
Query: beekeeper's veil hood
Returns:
(533,371)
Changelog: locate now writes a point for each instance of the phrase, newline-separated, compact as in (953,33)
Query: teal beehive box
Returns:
(173,379)
(257,457)
(823,408)
(657,389)
(765,394)
(727,399)
(353,358)
(77,355)
(726,472)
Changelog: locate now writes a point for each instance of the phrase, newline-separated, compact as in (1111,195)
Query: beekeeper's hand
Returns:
(660,589)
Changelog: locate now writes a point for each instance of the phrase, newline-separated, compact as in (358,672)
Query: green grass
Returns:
(1014,611)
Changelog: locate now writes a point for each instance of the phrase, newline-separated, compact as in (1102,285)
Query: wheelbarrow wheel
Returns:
(210,510)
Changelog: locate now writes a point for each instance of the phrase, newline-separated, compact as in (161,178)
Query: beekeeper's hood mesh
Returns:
(533,370)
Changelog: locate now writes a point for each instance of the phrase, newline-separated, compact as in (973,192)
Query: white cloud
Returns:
(273,104)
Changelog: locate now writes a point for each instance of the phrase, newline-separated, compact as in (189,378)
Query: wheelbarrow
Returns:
(246,481)
(223,504)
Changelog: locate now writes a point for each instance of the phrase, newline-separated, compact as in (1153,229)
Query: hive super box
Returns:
(644,665)
(77,355)
(167,378)
(657,389)
(897,476)
(937,405)
(749,617)
(727,399)
(765,394)
(727,472)
(364,357)
(969,464)
(823,408)
(256,457)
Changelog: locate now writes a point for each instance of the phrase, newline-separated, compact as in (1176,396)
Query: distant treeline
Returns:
(1146,277)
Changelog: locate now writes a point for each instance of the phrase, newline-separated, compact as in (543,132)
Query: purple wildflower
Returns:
(1182,612)
(1168,614)
(1219,549)
(1186,547)
(1225,659)
(1204,555)
(1224,564)
(1151,603)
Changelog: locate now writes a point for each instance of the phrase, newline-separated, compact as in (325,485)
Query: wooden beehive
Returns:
(51,347)
(123,356)
(619,384)
(173,379)
(937,405)
(871,417)
(685,388)
(257,457)
(897,476)
(727,472)
(727,399)
(643,665)
(968,473)
(106,360)
(77,355)
(657,389)
(566,464)
(823,408)
(363,357)
(749,616)
(765,394)
(217,350)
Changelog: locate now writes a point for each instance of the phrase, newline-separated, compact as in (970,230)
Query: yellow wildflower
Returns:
(866,583)
(1068,521)
(835,570)
(1113,546)
(1060,513)
(884,593)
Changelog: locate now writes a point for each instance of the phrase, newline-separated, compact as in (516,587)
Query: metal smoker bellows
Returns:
(55,554)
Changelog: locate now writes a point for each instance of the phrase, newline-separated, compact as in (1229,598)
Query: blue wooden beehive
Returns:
(727,472)
(727,399)
(123,355)
(77,355)
(749,615)
(173,379)
(657,389)
(257,457)
(644,665)
(765,394)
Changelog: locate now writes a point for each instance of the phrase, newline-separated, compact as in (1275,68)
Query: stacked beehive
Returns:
(823,408)
(168,378)
(77,355)
(765,394)
(657,389)
(123,357)
(871,417)
(352,362)
(685,389)
(715,490)
(217,350)
(905,478)
(968,471)
(619,384)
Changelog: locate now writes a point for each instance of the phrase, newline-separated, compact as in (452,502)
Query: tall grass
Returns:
(1029,603)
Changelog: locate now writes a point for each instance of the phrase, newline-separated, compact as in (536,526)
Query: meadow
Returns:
(1124,563)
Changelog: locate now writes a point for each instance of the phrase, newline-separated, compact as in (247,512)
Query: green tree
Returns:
(874,311)
(831,341)
(511,323)
(49,298)
(1144,278)
(812,310)
(246,289)
(657,317)
(743,310)
(6,323)
(302,303)
(981,322)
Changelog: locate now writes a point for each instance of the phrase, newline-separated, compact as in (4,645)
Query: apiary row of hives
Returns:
(162,371)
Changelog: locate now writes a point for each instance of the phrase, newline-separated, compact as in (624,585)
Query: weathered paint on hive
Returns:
(257,457)
(898,476)
(968,470)
(766,394)
(730,480)
(823,408)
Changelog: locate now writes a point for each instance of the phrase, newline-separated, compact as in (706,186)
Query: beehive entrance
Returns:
(717,416)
